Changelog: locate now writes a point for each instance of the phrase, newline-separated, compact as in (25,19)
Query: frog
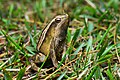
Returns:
(52,41)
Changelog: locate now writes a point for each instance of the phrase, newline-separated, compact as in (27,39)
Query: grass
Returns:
(93,39)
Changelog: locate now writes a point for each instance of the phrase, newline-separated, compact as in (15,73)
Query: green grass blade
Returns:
(10,39)
(104,58)
(29,32)
(103,37)
(107,50)
(78,49)
(110,75)
(89,44)
(7,75)
(61,76)
(102,16)
(76,35)
(92,72)
(69,50)
(21,74)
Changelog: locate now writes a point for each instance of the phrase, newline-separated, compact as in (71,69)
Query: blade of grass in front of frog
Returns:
(42,65)
(69,50)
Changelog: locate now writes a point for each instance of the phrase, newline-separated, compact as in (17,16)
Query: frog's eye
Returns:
(57,20)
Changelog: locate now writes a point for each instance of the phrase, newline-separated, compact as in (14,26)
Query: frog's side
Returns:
(52,41)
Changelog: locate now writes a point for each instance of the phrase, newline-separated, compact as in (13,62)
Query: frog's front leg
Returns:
(53,58)
(36,59)
(53,54)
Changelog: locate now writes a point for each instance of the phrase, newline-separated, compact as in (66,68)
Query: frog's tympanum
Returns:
(52,41)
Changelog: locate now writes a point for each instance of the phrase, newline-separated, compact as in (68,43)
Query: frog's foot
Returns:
(55,62)
(54,59)
(34,67)
(39,58)
(36,59)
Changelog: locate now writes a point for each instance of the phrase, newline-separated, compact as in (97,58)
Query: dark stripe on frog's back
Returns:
(46,37)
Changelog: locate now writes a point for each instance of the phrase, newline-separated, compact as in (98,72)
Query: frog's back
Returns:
(47,42)
(46,38)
